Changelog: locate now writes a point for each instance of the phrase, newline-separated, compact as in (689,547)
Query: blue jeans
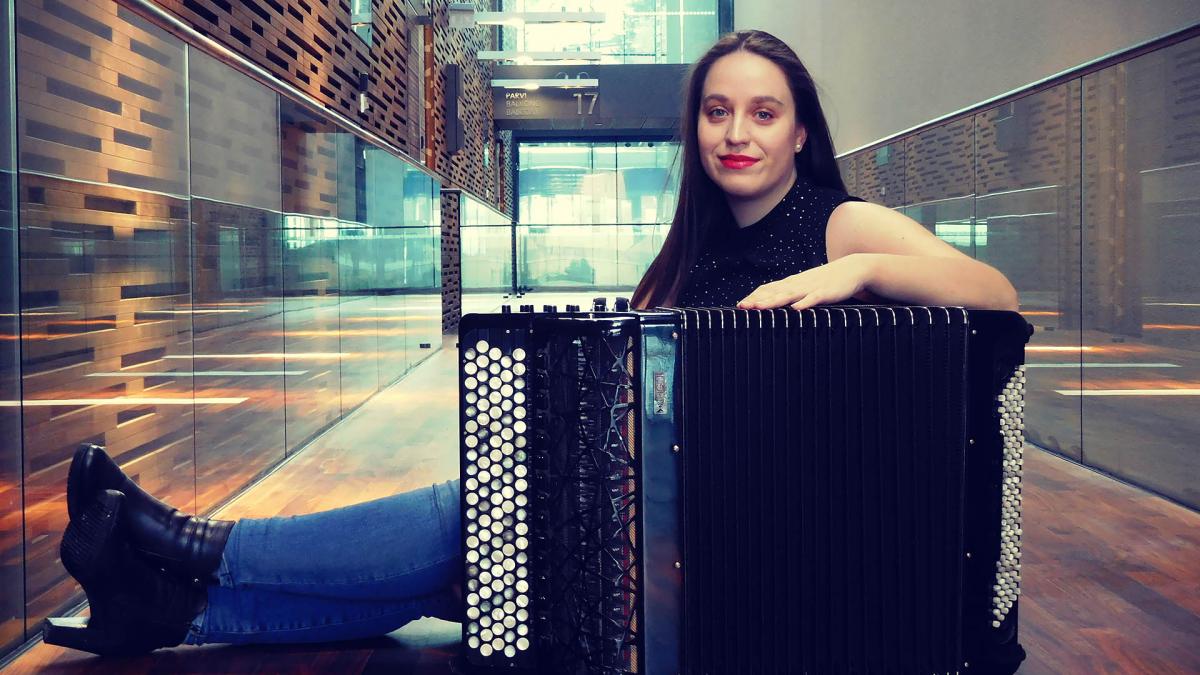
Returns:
(354,572)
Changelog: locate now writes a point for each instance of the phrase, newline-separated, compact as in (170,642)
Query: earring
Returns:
(799,147)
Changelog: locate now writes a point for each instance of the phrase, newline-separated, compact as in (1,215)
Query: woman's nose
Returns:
(735,131)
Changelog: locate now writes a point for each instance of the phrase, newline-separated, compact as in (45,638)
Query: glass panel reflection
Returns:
(313,152)
(624,191)
(881,175)
(12,569)
(358,315)
(1141,296)
(486,246)
(423,255)
(567,256)
(1027,161)
(238,277)
(105,288)
(939,183)
(165,246)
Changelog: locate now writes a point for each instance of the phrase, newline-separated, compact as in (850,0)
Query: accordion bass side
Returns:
(699,491)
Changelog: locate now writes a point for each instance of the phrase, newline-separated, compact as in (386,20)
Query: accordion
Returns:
(713,491)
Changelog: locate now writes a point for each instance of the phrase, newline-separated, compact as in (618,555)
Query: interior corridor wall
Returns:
(884,67)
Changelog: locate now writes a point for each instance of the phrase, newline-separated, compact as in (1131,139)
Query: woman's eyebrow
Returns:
(757,100)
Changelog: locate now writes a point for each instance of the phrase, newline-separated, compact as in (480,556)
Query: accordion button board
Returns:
(722,491)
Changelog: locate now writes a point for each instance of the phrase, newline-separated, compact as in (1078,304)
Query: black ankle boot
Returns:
(135,608)
(185,545)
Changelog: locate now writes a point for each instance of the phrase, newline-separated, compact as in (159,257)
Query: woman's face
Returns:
(747,129)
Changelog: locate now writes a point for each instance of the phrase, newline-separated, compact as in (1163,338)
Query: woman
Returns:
(763,221)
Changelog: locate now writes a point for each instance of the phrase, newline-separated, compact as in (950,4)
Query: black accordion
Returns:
(718,491)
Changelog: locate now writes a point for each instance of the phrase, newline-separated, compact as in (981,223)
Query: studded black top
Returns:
(786,241)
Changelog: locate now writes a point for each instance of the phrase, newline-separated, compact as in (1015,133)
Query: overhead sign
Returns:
(625,95)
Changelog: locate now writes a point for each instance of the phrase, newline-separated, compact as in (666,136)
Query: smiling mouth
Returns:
(737,161)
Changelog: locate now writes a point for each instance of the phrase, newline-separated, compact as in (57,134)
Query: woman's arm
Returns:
(935,280)
(908,263)
(875,254)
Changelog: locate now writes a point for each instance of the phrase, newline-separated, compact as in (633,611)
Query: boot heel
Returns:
(73,632)
(87,536)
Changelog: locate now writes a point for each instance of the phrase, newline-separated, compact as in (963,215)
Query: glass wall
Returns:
(486,239)
(1087,196)
(635,31)
(592,215)
(12,560)
(209,275)
(1141,296)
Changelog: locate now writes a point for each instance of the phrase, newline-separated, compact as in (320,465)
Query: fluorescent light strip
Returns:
(1172,304)
(1128,392)
(523,18)
(681,13)
(203,373)
(132,400)
(297,355)
(984,219)
(1053,348)
(1017,191)
(520,56)
(1102,365)
(559,82)
(196,311)
(1170,168)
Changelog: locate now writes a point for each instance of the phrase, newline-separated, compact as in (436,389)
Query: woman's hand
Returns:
(830,283)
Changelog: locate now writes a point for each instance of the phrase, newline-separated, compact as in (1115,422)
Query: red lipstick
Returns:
(737,161)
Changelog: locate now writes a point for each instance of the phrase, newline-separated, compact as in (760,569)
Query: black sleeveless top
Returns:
(786,241)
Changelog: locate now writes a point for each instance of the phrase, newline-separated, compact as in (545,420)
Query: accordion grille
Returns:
(823,471)
(586,498)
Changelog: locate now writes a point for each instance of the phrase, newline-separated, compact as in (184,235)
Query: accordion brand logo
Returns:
(660,393)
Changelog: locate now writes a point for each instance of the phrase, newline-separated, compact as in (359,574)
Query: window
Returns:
(360,19)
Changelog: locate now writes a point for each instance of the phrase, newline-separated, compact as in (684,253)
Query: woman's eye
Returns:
(764,114)
(716,112)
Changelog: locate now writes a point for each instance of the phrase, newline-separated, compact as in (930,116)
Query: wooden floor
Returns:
(1111,579)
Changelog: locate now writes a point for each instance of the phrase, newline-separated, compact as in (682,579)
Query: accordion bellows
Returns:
(731,491)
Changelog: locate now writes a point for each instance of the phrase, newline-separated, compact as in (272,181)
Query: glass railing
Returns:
(210,274)
(1085,192)
(485,242)
(561,257)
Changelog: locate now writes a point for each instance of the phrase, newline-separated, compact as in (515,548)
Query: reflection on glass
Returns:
(848,166)
(182,265)
(881,175)
(939,183)
(12,592)
(237,275)
(1027,225)
(568,183)
(423,257)
(105,283)
(359,318)
(485,243)
(313,153)
(567,256)
(1110,286)
(1141,295)
(623,190)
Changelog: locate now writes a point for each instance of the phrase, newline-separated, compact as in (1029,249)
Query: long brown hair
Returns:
(701,209)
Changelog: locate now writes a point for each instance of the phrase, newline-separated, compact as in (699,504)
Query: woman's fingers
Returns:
(772,300)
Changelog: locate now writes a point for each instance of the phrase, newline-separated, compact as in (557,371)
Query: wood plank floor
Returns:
(1111,573)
